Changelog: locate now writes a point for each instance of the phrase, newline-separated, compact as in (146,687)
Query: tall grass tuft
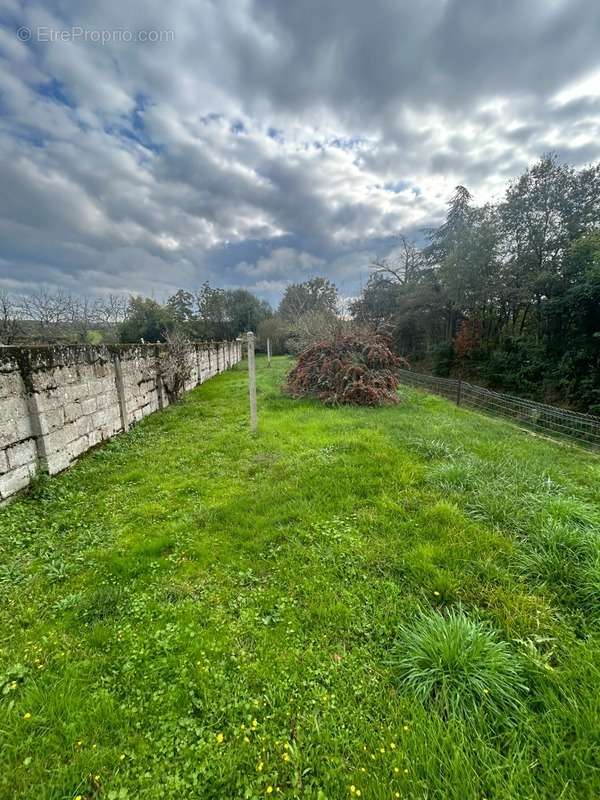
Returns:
(457,667)
(566,560)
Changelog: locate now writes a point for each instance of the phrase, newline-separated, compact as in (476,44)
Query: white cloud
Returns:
(267,141)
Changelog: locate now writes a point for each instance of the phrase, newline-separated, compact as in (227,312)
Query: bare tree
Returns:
(314,326)
(82,314)
(50,311)
(403,268)
(111,311)
(9,318)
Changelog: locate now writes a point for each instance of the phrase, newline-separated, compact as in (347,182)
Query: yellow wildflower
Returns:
(219,737)
(27,715)
(269,789)
(353,789)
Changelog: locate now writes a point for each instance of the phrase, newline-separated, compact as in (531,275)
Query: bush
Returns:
(176,367)
(457,667)
(348,370)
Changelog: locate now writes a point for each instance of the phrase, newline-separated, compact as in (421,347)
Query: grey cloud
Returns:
(270,140)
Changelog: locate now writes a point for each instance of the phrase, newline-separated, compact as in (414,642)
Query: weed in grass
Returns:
(457,666)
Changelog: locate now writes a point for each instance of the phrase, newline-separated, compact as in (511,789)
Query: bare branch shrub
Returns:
(176,367)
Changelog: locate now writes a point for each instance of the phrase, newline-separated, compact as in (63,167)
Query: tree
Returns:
(181,306)
(10,325)
(404,267)
(50,311)
(111,311)
(211,313)
(244,311)
(516,281)
(316,294)
(146,320)
(275,329)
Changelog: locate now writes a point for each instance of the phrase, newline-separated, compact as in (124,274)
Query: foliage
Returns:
(275,329)
(347,370)
(314,295)
(191,611)
(146,320)
(458,667)
(519,274)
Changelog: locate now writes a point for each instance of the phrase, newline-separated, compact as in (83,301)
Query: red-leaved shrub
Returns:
(349,369)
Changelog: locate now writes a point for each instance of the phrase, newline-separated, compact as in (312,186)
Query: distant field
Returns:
(191,612)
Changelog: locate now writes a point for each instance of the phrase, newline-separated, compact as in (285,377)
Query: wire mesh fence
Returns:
(550,420)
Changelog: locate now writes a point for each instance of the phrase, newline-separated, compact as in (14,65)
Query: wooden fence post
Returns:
(268,352)
(252,382)
(458,391)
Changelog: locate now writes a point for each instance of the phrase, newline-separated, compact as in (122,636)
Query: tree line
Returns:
(45,317)
(504,293)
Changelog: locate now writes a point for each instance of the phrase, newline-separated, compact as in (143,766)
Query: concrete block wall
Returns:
(57,402)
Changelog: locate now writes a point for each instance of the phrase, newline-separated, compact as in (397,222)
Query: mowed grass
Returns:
(191,612)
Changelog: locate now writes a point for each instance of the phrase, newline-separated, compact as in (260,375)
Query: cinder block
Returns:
(50,399)
(15,480)
(72,411)
(79,446)
(21,453)
(51,420)
(56,441)
(13,407)
(59,460)
(11,385)
(23,427)
(8,433)
(94,438)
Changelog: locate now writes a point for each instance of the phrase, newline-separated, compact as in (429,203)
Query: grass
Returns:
(191,612)
(455,665)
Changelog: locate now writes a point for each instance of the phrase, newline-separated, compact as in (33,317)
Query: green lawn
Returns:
(191,612)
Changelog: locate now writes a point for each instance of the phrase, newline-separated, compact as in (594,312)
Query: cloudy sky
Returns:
(146,146)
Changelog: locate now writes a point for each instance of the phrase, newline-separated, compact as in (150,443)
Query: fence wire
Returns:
(582,428)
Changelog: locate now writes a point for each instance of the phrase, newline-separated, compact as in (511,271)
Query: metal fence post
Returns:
(458,391)
(268,352)
(252,382)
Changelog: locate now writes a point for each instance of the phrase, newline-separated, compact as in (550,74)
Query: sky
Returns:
(150,146)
